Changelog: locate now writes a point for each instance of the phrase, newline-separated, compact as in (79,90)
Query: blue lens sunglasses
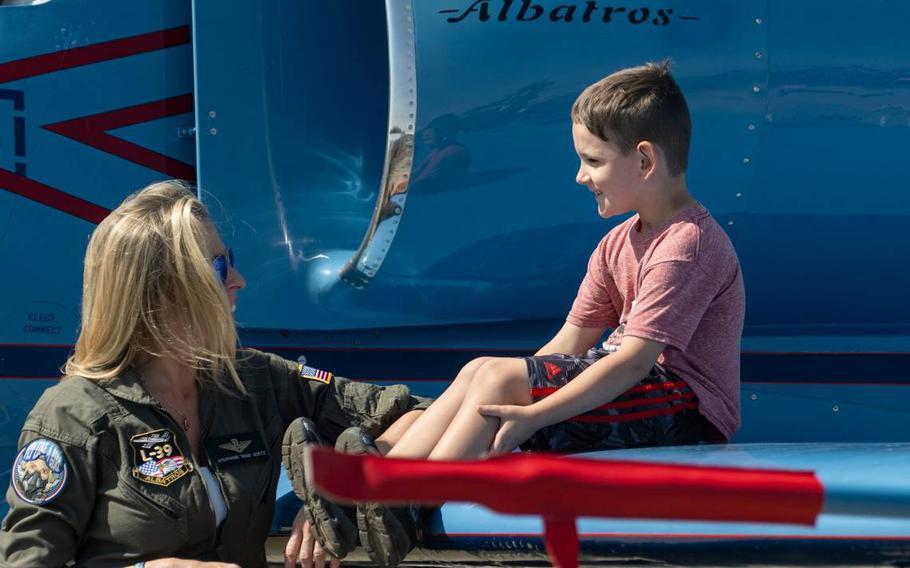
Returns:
(221,264)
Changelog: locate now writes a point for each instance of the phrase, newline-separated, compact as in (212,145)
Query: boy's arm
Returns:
(600,383)
(572,340)
(597,385)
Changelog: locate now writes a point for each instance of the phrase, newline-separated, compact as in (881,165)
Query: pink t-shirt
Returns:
(681,285)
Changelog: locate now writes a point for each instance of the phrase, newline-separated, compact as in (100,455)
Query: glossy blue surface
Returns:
(801,114)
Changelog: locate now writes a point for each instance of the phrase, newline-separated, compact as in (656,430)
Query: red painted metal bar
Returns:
(561,489)
(553,485)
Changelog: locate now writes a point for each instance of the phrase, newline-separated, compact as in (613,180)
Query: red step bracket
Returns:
(560,489)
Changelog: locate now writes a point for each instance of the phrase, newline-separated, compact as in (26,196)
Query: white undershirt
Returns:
(219,505)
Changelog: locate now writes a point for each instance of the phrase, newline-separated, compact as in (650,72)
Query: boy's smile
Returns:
(612,176)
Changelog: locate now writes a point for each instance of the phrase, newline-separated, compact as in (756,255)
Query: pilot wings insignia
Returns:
(235,445)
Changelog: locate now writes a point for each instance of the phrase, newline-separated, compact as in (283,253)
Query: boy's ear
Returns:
(648,156)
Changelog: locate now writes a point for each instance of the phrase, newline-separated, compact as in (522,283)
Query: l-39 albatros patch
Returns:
(39,472)
(314,374)
(157,458)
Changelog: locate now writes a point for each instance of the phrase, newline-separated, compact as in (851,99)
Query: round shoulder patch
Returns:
(39,472)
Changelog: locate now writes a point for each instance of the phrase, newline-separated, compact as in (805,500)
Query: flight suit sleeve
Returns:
(335,403)
(51,497)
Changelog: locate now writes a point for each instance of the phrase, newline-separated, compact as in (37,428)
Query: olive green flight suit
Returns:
(132,490)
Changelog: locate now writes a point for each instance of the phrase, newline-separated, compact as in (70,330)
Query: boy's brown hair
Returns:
(636,104)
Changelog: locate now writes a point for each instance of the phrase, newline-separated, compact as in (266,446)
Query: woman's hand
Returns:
(516,425)
(181,563)
(302,547)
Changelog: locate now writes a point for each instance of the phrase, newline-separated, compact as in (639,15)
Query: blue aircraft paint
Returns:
(800,114)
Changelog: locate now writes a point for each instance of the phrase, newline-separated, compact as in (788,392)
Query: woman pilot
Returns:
(161,446)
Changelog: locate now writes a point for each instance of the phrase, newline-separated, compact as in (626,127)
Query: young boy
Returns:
(667,281)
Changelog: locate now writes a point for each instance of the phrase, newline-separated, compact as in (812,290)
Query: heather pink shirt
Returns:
(681,285)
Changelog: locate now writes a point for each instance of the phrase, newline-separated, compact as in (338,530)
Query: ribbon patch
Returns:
(157,458)
(314,374)
(39,472)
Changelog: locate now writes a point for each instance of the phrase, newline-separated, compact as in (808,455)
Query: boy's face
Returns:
(612,176)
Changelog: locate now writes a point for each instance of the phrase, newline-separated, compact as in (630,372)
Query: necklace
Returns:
(186,421)
(167,409)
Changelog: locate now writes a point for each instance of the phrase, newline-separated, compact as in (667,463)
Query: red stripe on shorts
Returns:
(547,391)
(629,416)
(645,401)
(659,386)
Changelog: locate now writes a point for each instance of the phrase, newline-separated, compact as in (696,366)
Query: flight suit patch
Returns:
(237,448)
(314,374)
(39,472)
(157,459)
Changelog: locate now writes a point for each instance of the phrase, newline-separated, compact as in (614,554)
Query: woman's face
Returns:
(234,281)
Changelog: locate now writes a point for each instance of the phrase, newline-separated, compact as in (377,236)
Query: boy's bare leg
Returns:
(393,433)
(425,432)
(470,435)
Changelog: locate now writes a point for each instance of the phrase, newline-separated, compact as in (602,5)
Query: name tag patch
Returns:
(157,459)
(233,449)
(39,472)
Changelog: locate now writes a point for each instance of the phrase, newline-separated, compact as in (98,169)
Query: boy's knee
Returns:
(469,371)
(476,364)
(503,378)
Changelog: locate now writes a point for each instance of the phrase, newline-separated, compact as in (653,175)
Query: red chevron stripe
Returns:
(95,53)
(92,131)
(47,195)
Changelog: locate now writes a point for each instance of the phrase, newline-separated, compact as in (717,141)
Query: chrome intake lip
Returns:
(399,158)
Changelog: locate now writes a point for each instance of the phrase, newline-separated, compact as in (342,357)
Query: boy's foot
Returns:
(332,525)
(386,534)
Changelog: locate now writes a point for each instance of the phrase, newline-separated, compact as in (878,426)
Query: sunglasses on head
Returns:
(222,263)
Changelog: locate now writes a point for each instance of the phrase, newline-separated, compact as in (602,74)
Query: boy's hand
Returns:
(516,424)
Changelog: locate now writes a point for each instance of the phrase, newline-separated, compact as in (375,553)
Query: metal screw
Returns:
(739,196)
(751,127)
(213,131)
(758,21)
(835,408)
(212,114)
(758,55)
(747,160)
(754,397)
(756,89)
(730,223)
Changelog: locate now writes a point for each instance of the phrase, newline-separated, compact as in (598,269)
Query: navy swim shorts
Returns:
(661,410)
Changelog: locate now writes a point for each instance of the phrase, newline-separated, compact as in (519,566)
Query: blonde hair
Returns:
(635,104)
(149,289)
